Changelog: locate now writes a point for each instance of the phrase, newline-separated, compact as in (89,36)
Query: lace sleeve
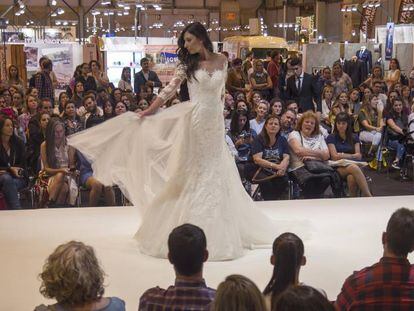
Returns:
(171,88)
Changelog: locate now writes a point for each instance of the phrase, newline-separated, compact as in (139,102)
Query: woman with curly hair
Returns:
(73,277)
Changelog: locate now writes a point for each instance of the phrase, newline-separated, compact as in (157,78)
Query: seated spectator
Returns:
(235,80)
(287,123)
(34,142)
(187,251)
(238,293)
(73,277)
(257,123)
(2,102)
(108,110)
(29,110)
(371,124)
(100,76)
(388,284)
(18,101)
(90,109)
(341,82)
(13,78)
(7,97)
(287,259)
(143,104)
(58,161)
(12,164)
(406,99)
(78,94)
(254,99)
(397,121)
(303,298)
(271,154)
(261,81)
(63,100)
(120,108)
(32,91)
(96,189)
(276,107)
(73,123)
(102,97)
(306,143)
(354,102)
(242,137)
(377,75)
(292,105)
(343,144)
(128,100)
(116,96)
(125,83)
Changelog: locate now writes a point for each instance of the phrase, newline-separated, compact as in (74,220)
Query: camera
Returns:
(245,135)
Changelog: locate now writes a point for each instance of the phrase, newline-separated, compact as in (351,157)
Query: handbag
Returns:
(317,167)
(264,174)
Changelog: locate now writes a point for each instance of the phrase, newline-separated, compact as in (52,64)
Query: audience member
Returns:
(341,82)
(238,293)
(303,298)
(260,80)
(276,107)
(34,142)
(145,77)
(235,79)
(13,78)
(73,277)
(393,75)
(287,123)
(301,87)
(108,110)
(73,123)
(187,251)
(120,108)
(343,144)
(388,284)
(287,259)
(125,83)
(257,123)
(43,81)
(12,164)
(271,154)
(58,161)
(273,68)
(101,79)
(306,143)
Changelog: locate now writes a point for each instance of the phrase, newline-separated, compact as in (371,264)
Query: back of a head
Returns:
(302,298)
(187,246)
(238,293)
(400,232)
(72,275)
(288,252)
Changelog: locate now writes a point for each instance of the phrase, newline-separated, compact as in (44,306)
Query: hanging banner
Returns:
(389,43)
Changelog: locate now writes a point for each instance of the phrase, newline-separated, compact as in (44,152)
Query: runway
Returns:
(344,235)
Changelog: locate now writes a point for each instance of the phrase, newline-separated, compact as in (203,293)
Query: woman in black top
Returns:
(397,123)
(12,163)
(73,123)
(271,152)
(343,144)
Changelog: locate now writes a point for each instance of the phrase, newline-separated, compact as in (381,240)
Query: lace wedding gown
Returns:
(176,168)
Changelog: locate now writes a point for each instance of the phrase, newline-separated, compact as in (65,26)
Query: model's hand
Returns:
(144,113)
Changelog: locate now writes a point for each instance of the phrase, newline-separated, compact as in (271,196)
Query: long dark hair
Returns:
(395,116)
(192,60)
(234,124)
(13,139)
(50,141)
(123,75)
(288,251)
(344,117)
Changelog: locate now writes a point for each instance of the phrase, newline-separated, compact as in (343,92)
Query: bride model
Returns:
(175,166)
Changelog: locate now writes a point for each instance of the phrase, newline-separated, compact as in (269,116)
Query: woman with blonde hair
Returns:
(238,293)
(260,80)
(73,277)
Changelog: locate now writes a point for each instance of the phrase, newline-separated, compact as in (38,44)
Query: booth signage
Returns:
(389,43)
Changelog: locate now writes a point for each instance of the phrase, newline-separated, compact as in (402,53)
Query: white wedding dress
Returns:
(176,168)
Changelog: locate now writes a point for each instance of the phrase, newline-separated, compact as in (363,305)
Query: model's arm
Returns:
(167,92)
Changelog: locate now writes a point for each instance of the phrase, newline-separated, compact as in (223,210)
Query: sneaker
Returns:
(395,165)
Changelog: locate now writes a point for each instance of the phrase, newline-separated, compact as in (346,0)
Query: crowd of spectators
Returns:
(282,124)
(73,277)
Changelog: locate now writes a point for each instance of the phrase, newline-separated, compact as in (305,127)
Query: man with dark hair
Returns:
(247,65)
(302,88)
(145,77)
(187,251)
(92,111)
(43,81)
(287,122)
(388,284)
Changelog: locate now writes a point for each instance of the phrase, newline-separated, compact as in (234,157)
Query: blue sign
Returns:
(168,58)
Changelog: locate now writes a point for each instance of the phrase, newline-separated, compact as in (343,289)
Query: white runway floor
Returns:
(345,236)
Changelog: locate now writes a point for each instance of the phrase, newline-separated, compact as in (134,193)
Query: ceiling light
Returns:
(65,23)
(53,2)
(95,13)
(127,7)
(53,14)
(119,13)
(105,2)
(58,23)
(126,13)
(60,11)
(17,13)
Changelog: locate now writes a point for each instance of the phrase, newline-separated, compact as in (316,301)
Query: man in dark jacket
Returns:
(145,77)
(302,88)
